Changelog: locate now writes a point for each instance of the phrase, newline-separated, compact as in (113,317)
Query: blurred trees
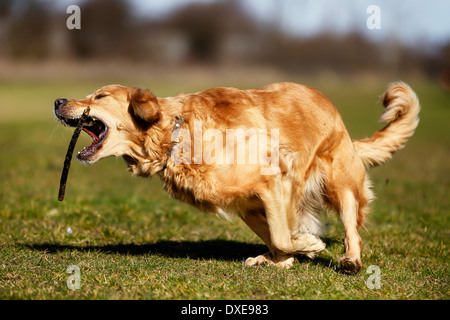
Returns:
(106,30)
(26,29)
(206,28)
(219,32)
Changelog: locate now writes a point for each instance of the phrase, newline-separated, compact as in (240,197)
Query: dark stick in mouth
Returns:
(68,159)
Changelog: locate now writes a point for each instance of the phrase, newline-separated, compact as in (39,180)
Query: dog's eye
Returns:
(99,96)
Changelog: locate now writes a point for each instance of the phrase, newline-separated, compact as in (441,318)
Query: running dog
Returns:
(317,164)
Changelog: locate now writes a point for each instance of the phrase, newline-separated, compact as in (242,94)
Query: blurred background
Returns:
(141,38)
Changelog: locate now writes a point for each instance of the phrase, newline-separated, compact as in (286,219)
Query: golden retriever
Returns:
(305,162)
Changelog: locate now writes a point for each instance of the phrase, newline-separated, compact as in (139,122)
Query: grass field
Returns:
(131,241)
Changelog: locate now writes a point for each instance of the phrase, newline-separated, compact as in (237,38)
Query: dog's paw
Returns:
(308,244)
(259,260)
(280,261)
(350,265)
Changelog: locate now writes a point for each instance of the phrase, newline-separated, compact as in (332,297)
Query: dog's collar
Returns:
(179,121)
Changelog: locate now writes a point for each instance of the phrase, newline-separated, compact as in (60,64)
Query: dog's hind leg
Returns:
(349,194)
(351,262)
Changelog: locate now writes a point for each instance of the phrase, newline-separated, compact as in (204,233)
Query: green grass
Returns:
(131,241)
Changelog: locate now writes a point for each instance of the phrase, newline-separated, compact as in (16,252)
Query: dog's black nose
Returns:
(59,102)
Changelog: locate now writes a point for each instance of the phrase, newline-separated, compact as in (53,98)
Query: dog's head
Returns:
(117,116)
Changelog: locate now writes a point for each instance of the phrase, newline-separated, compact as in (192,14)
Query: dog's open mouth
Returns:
(94,127)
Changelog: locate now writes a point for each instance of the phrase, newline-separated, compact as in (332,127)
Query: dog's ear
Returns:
(144,105)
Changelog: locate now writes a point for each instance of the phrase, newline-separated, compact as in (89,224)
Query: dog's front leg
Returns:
(258,223)
(276,227)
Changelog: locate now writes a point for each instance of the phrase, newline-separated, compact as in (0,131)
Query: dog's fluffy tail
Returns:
(401,112)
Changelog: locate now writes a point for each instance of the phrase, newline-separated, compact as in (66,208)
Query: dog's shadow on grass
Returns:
(218,249)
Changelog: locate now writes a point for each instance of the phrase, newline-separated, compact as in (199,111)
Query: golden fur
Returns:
(319,164)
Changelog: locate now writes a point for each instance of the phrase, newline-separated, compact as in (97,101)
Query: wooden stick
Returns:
(68,159)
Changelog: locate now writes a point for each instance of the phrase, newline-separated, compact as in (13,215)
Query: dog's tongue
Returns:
(97,131)
(89,132)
